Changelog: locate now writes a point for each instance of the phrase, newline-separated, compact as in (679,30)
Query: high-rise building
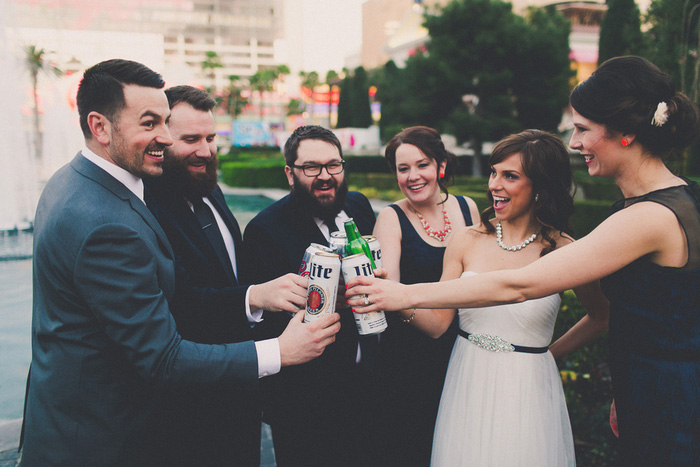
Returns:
(241,33)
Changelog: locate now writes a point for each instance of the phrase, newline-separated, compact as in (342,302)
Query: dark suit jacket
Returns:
(206,426)
(312,408)
(102,331)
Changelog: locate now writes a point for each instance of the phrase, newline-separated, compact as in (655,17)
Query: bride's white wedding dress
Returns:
(504,408)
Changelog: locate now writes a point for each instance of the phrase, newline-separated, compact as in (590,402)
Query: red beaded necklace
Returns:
(439,235)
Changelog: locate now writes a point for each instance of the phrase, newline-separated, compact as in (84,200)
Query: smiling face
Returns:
(596,144)
(192,157)
(324,187)
(417,174)
(139,134)
(511,189)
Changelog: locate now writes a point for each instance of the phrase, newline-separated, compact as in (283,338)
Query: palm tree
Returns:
(211,62)
(262,80)
(36,61)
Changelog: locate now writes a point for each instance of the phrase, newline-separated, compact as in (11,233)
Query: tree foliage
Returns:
(353,105)
(620,32)
(485,73)
(37,61)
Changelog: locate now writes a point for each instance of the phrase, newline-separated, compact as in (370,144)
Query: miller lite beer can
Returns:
(312,249)
(376,250)
(338,242)
(324,274)
(373,322)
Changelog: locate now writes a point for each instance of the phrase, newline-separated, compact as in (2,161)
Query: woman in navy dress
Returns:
(413,234)
(628,119)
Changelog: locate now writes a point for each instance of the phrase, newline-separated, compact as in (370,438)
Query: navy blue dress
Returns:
(655,345)
(414,364)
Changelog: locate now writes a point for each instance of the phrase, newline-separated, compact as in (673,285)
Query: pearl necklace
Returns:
(499,240)
(439,235)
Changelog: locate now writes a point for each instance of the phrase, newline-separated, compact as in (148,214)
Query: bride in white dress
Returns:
(503,403)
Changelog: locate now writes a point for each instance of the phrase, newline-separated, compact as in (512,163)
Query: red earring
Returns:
(442,175)
(624,142)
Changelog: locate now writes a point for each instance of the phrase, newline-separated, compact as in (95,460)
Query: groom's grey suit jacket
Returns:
(102,332)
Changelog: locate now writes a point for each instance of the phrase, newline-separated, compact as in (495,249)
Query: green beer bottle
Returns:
(356,244)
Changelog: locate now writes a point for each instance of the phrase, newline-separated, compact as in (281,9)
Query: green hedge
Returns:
(588,390)
(265,173)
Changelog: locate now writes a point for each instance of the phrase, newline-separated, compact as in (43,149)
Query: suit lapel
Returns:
(93,172)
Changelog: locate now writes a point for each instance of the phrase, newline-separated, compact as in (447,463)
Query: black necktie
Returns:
(330,222)
(211,230)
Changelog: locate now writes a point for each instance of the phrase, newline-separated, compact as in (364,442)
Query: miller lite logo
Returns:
(303,271)
(316,300)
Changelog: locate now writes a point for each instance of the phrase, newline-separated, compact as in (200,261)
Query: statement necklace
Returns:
(499,240)
(439,235)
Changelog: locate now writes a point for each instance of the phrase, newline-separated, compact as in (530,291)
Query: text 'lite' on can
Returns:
(376,249)
(373,322)
(324,274)
(311,250)
(338,242)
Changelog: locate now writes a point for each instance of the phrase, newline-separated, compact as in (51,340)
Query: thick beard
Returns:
(309,203)
(188,184)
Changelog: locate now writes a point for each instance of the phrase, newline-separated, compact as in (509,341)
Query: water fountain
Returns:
(18,177)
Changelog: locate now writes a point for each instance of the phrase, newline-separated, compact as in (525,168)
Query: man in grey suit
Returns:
(102,332)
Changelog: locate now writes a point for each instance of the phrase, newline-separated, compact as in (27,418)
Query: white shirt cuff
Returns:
(269,359)
(254,314)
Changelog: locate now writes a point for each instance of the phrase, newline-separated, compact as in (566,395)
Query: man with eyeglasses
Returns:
(319,411)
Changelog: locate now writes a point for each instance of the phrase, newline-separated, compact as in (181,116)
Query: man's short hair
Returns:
(102,88)
(308,132)
(195,97)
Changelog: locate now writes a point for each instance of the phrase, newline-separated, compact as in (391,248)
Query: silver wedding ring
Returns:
(367,302)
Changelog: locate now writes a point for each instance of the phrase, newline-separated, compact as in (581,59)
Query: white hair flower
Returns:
(661,115)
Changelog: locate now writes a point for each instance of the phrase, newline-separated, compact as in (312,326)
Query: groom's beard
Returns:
(309,203)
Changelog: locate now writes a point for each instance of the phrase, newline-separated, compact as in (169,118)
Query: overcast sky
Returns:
(321,33)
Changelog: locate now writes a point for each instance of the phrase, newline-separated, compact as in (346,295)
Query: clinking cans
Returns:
(375,248)
(312,249)
(338,242)
(324,274)
(373,322)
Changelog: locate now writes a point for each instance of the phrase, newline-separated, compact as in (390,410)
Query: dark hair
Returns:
(429,142)
(102,88)
(624,93)
(545,162)
(308,132)
(195,97)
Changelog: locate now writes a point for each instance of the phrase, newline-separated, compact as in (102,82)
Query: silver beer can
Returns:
(373,322)
(375,248)
(338,242)
(324,274)
(311,250)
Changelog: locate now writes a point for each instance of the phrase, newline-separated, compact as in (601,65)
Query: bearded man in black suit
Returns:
(196,425)
(319,411)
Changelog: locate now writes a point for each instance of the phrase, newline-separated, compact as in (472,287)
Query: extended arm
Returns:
(624,237)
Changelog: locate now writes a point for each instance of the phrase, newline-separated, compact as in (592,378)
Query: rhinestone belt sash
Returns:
(496,344)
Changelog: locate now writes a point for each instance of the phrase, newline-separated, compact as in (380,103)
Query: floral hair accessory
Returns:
(661,115)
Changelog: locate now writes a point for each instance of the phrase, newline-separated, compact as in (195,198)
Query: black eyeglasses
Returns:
(314,170)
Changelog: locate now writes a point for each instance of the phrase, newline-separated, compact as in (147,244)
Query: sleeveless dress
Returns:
(413,365)
(504,408)
(655,345)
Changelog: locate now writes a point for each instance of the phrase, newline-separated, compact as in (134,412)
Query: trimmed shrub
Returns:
(254,174)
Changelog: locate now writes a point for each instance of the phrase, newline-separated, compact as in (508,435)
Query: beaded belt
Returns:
(496,344)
